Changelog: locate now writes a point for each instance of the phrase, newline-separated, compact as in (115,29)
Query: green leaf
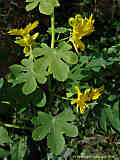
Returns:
(40,132)
(4,138)
(116,109)
(46,6)
(16,96)
(54,127)
(40,99)
(66,115)
(61,122)
(40,72)
(115,121)
(32,4)
(17,68)
(65,53)
(1,82)
(109,114)
(59,30)
(70,130)
(3,153)
(78,73)
(55,142)
(97,63)
(18,149)
(30,85)
(83,60)
(55,61)
(27,74)
(45,120)
(60,69)
(112,98)
(103,120)
(44,117)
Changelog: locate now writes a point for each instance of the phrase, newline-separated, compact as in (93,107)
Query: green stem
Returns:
(52,46)
(53,29)
(63,39)
(65,98)
(17,126)
(49,84)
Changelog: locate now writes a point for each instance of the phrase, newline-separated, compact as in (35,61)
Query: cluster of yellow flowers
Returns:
(87,96)
(81,27)
(27,40)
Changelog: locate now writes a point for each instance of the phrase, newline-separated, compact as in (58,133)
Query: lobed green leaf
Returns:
(54,127)
(55,61)
(45,7)
(29,74)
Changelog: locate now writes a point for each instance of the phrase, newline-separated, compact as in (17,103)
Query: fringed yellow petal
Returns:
(96,92)
(16,32)
(21,42)
(25,31)
(34,36)
(71,21)
(31,26)
(78,91)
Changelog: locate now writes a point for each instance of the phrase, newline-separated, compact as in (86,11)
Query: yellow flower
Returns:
(77,43)
(86,96)
(81,27)
(27,40)
(96,92)
(81,100)
(23,32)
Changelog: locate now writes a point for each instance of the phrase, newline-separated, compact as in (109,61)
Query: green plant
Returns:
(35,96)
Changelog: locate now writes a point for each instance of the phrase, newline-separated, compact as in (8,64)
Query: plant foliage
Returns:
(54,127)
